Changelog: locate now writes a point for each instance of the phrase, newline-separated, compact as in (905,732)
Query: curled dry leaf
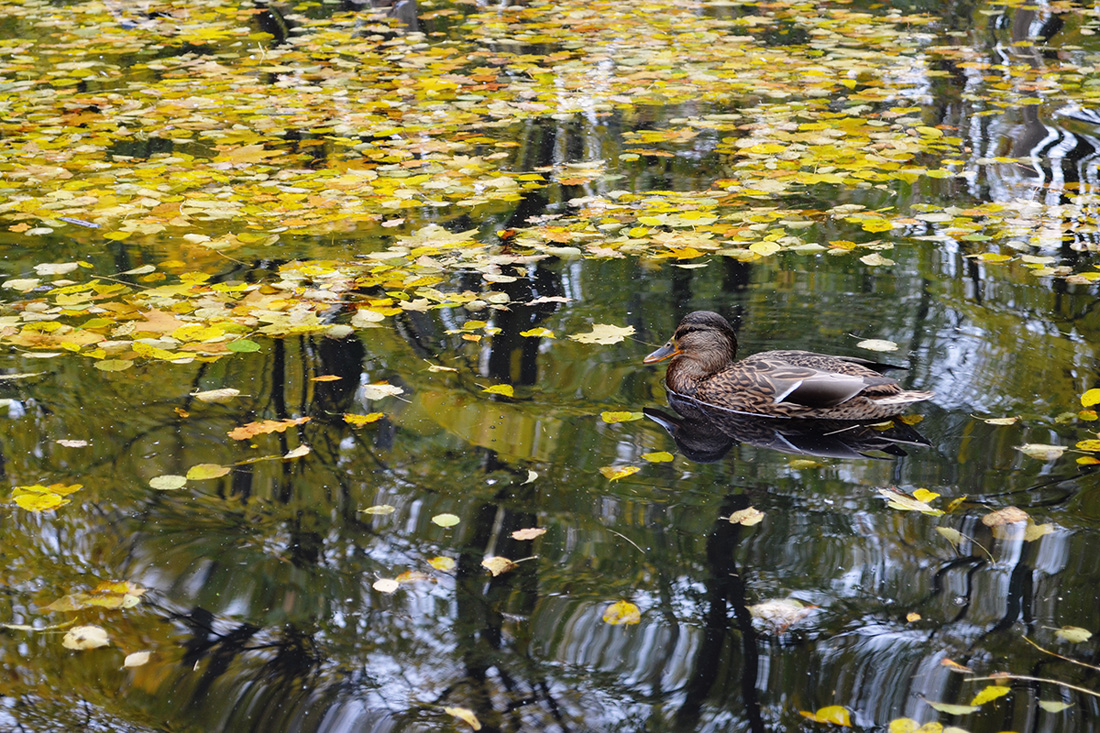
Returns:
(136,659)
(216,395)
(379,509)
(498,565)
(531,476)
(955,666)
(302,450)
(1001,420)
(465,715)
(834,714)
(252,429)
(379,390)
(1042,451)
(85,637)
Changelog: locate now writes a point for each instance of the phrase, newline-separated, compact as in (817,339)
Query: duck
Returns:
(788,384)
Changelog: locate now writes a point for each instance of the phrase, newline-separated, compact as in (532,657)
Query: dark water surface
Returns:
(261,612)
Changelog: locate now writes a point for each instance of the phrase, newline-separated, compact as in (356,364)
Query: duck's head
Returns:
(703,337)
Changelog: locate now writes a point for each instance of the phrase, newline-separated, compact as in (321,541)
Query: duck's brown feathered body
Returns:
(776,383)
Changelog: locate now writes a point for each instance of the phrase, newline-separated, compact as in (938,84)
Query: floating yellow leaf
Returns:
(444,564)
(1073,634)
(85,637)
(380,509)
(360,420)
(622,612)
(1042,451)
(379,390)
(949,709)
(538,332)
(617,472)
(925,495)
(990,692)
(620,416)
(498,565)
(501,389)
(658,457)
(528,534)
(1092,445)
(136,659)
(747,517)
(445,520)
(1091,397)
(834,714)
(168,482)
(216,395)
(204,471)
(877,345)
(604,334)
(465,715)
(898,500)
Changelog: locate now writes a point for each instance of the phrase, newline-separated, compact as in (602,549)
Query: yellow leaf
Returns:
(1073,634)
(445,520)
(925,495)
(544,332)
(620,416)
(834,714)
(205,471)
(991,692)
(1090,398)
(40,502)
(764,248)
(501,389)
(658,457)
(465,715)
(604,334)
(747,517)
(360,420)
(622,612)
(85,637)
(443,564)
(617,472)
(1092,445)
(498,565)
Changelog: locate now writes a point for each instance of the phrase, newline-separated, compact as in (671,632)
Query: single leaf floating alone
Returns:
(1092,445)
(617,472)
(501,389)
(912,617)
(1007,515)
(380,509)
(949,709)
(528,534)
(1091,397)
(622,613)
(990,692)
(216,395)
(72,443)
(747,517)
(801,464)
(85,637)
(443,564)
(953,536)
(1001,420)
(779,614)
(136,659)
(955,666)
(445,520)
(621,416)
(465,715)
(379,390)
(386,585)
(531,476)
(877,345)
(875,259)
(1042,451)
(1054,706)
(834,714)
(438,368)
(1073,634)
(604,334)
(252,429)
(243,346)
(302,450)
(326,378)
(361,420)
(168,482)
(658,457)
(498,565)
(206,471)
(538,332)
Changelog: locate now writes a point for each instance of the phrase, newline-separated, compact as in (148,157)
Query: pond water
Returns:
(260,585)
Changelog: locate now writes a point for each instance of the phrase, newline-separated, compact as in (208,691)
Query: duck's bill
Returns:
(661,354)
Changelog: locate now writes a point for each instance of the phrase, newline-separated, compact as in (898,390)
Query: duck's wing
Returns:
(810,386)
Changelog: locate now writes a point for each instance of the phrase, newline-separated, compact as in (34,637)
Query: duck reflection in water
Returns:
(705,433)
(791,401)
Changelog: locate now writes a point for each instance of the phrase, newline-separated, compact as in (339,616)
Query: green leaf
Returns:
(243,346)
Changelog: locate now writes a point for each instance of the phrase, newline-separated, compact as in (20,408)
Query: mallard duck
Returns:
(776,383)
